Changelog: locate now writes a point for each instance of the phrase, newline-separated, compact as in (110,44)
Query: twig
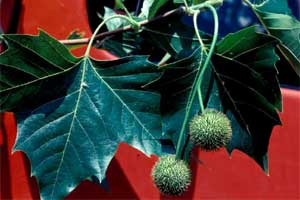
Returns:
(176,11)
(123,29)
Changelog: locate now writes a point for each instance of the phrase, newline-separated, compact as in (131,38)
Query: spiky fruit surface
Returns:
(171,176)
(211,130)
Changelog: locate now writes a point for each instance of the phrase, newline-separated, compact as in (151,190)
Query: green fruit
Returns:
(171,176)
(210,130)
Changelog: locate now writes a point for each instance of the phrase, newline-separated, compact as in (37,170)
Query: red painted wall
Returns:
(218,177)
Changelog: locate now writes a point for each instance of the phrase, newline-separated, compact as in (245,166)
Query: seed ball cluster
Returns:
(211,130)
(171,176)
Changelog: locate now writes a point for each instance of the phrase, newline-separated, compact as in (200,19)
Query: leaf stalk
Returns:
(198,81)
(133,23)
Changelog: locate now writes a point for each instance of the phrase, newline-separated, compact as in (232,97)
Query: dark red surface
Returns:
(218,177)
(6,8)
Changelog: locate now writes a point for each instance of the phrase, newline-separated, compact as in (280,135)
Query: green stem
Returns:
(197,82)
(200,99)
(186,5)
(88,49)
(207,2)
(203,49)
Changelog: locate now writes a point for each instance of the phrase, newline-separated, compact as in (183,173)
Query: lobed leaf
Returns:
(247,81)
(276,17)
(30,63)
(73,133)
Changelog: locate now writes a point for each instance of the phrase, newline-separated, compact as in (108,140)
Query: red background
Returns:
(218,177)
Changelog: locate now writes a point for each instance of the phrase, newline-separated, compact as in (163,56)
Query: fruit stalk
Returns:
(197,82)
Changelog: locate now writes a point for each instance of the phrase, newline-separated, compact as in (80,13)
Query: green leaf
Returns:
(257,52)
(244,85)
(276,17)
(122,45)
(114,23)
(247,82)
(175,86)
(166,36)
(28,64)
(74,133)
(174,37)
(119,4)
(150,7)
(241,139)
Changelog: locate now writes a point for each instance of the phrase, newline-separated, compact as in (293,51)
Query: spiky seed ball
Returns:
(171,176)
(211,130)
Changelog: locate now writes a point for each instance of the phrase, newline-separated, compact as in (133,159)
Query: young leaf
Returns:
(276,17)
(114,23)
(74,134)
(150,7)
(247,79)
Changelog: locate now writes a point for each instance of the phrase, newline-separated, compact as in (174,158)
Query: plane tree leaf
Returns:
(72,113)
(242,82)
(175,86)
(240,140)
(245,71)
(73,134)
(27,65)
(276,17)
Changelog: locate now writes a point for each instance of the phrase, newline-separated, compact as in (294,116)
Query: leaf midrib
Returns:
(118,97)
(254,91)
(85,60)
(72,123)
(232,100)
(36,53)
(39,79)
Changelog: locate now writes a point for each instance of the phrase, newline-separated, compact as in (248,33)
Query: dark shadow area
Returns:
(14,23)
(119,186)
(5,183)
(95,9)
(287,76)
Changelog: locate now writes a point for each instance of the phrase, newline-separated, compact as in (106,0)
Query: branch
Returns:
(176,11)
